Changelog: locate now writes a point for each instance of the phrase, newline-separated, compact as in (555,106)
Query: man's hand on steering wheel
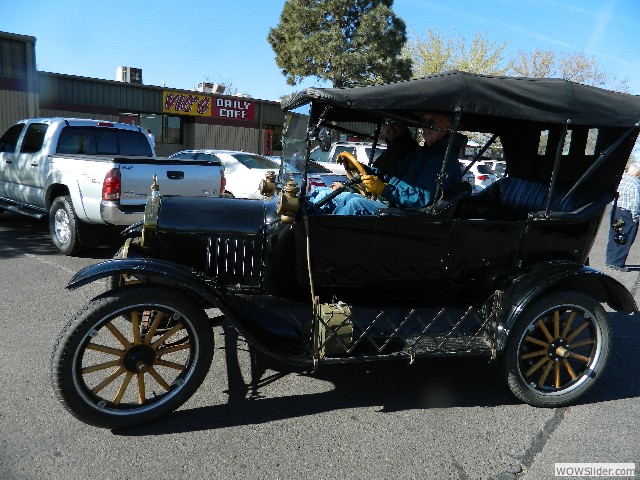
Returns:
(373,184)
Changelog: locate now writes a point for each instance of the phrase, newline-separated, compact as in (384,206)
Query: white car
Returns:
(360,150)
(243,171)
(468,177)
(483,175)
(499,167)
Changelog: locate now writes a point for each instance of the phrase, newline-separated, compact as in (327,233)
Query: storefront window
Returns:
(172,131)
(165,128)
(152,123)
(277,136)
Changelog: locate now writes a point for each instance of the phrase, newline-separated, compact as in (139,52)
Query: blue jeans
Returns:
(359,205)
(347,203)
(616,254)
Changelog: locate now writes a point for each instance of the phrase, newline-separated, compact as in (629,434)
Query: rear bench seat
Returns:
(513,198)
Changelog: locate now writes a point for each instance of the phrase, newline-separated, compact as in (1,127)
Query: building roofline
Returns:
(17,36)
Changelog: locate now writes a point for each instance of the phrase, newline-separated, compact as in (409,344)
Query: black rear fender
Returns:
(528,287)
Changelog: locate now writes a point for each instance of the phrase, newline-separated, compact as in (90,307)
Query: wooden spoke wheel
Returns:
(131,355)
(557,349)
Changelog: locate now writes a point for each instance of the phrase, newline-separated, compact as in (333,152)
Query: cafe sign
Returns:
(179,103)
(233,109)
(186,104)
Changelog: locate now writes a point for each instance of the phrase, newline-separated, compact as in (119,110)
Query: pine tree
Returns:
(346,42)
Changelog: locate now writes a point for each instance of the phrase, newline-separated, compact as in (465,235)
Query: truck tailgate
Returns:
(174,176)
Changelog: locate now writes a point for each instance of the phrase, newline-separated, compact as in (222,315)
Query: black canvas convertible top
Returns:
(481,99)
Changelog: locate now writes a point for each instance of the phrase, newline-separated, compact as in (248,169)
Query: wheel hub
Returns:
(61,226)
(139,358)
(558,349)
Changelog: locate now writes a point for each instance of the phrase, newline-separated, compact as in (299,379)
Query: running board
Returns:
(23,210)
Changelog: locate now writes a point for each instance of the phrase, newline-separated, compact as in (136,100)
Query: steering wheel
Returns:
(353,167)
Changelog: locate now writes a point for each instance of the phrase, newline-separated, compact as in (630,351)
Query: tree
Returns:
(346,42)
(434,54)
(575,67)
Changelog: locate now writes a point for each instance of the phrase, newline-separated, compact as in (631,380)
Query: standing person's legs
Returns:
(616,254)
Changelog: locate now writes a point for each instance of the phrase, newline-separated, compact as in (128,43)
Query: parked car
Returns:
(498,167)
(244,171)
(88,176)
(360,150)
(482,174)
(318,175)
(468,176)
(500,274)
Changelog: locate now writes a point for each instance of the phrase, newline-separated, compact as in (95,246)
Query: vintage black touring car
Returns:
(503,273)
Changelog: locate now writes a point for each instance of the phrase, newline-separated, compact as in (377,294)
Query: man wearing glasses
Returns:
(412,182)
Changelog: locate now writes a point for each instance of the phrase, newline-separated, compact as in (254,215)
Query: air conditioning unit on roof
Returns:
(129,75)
(217,88)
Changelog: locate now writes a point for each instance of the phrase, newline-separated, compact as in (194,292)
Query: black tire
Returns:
(100,369)
(64,226)
(557,349)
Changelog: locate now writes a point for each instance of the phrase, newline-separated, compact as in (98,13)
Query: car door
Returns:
(30,165)
(8,146)
(390,257)
(341,250)
(410,254)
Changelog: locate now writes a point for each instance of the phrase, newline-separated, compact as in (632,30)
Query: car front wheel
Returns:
(557,349)
(131,356)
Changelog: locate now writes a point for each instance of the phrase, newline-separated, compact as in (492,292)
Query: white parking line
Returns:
(41,260)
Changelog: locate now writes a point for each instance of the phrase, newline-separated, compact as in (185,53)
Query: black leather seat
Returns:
(513,198)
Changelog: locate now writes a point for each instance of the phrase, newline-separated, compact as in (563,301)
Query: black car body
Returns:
(500,273)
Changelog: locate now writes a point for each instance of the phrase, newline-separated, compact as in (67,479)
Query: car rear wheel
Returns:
(64,226)
(557,349)
(131,356)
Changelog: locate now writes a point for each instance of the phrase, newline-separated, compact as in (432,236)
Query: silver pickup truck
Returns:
(86,173)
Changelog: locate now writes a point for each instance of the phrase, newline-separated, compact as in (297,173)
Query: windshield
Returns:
(293,137)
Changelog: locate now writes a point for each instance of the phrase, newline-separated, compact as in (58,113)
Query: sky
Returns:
(179,44)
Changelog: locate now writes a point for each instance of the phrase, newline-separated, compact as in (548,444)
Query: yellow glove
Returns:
(373,184)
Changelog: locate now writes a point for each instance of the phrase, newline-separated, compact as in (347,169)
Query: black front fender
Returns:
(153,270)
(278,344)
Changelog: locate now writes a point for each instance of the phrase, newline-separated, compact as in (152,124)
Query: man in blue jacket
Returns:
(412,182)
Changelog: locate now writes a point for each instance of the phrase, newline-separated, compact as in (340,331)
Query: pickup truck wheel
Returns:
(64,226)
(131,356)
(557,349)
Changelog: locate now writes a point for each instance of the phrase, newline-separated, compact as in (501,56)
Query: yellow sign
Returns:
(186,103)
